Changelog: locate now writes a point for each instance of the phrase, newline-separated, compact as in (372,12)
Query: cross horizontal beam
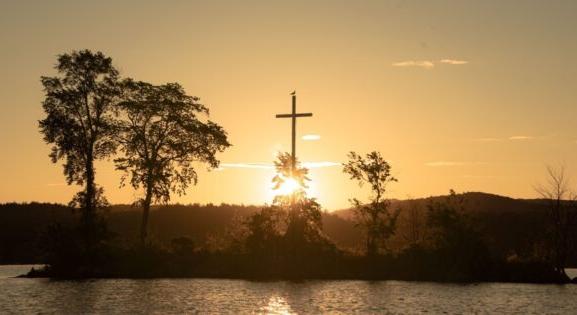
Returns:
(294,115)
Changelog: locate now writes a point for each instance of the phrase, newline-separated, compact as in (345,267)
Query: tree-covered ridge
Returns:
(510,227)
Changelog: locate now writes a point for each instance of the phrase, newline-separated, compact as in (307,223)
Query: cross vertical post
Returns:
(294,115)
(294,124)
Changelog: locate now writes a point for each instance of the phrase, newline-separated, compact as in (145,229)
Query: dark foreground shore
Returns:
(230,266)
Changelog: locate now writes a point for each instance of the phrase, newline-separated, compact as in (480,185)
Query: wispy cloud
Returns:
(311,137)
(247,165)
(452,163)
(511,138)
(480,176)
(428,64)
(414,63)
(310,165)
(521,138)
(320,164)
(489,139)
(453,62)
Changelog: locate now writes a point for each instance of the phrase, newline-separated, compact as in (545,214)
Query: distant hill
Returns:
(510,226)
(474,201)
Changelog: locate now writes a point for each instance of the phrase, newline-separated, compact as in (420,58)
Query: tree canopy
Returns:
(375,216)
(80,120)
(162,134)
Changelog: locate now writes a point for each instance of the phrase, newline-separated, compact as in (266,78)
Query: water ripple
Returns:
(177,296)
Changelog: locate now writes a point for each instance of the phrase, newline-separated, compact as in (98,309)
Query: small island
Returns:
(158,135)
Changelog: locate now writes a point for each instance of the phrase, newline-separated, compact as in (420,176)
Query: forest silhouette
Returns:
(157,135)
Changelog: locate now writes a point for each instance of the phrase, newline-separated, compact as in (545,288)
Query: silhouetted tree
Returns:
(560,201)
(265,231)
(413,224)
(376,217)
(287,174)
(447,220)
(161,136)
(80,122)
(182,245)
(457,239)
(304,214)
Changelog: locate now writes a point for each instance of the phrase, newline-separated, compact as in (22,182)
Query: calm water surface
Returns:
(176,296)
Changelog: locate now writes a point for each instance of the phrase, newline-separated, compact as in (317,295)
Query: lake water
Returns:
(177,296)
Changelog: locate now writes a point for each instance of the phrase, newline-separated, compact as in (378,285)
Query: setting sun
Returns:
(289,186)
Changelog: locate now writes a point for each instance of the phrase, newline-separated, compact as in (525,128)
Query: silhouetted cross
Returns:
(294,115)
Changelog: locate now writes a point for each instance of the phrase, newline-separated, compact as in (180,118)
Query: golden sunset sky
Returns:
(469,95)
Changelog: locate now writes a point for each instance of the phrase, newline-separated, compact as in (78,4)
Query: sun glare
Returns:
(289,186)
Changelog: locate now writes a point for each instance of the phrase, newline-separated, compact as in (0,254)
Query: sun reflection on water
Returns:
(277,305)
